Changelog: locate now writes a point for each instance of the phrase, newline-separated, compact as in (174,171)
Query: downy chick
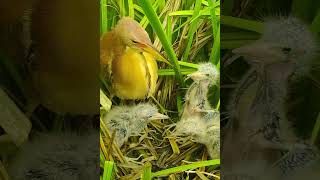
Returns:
(258,131)
(203,129)
(196,98)
(199,120)
(129,121)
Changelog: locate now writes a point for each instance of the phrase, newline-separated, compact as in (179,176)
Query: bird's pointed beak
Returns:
(196,75)
(259,52)
(158,116)
(154,52)
(230,60)
(246,50)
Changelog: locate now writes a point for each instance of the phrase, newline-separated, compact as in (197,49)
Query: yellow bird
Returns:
(128,60)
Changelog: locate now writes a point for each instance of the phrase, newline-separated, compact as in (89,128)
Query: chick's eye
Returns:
(286,50)
(135,42)
(150,115)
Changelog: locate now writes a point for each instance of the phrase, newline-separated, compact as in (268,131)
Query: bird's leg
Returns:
(209,113)
(299,157)
(276,143)
(264,143)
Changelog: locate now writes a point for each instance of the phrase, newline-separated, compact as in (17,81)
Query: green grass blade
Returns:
(156,25)
(195,165)
(169,29)
(186,13)
(104,101)
(131,8)
(102,159)
(227,7)
(303,9)
(187,64)
(215,52)
(162,4)
(204,2)
(180,102)
(241,35)
(103,16)
(213,17)
(147,174)
(144,21)
(108,170)
(184,71)
(122,8)
(170,72)
(138,8)
(192,29)
(245,24)
(234,44)
(315,26)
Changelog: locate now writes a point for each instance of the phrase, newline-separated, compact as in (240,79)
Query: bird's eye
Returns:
(150,115)
(286,50)
(135,42)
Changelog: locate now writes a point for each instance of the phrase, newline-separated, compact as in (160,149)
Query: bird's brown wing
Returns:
(110,49)
(106,54)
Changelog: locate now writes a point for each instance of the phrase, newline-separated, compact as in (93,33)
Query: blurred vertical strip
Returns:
(63,142)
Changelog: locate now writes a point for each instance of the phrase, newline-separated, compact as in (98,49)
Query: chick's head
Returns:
(284,40)
(148,112)
(206,72)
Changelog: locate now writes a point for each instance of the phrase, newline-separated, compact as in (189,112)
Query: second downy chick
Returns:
(203,129)
(128,121)
(196,98)
(199,120)
(259,131)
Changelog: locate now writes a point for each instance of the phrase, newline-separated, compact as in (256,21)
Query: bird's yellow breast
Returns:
(134,74)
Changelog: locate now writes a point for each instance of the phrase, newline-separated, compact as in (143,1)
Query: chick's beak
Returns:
(158,116)
(245,50)
(196,76)
(259,52)
(154,52)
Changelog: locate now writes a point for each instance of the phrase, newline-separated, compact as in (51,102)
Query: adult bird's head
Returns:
(148,111)
(284,40)
(133,35)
